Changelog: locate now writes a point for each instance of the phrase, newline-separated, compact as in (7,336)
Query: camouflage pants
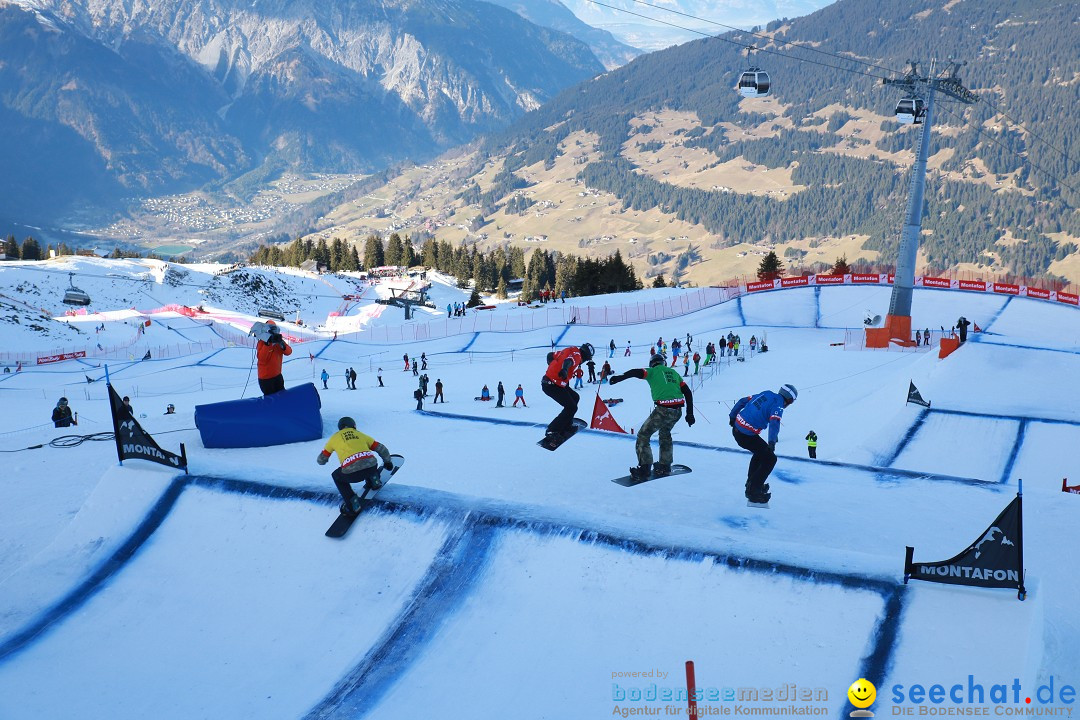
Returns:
(661,419)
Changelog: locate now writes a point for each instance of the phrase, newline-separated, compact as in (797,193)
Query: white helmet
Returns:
(789,393)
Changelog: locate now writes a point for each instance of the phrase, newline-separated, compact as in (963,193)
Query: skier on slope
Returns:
(359,456)
(748,418)
(669,394)
(556,384)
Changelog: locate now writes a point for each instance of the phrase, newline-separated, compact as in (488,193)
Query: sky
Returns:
(495,578)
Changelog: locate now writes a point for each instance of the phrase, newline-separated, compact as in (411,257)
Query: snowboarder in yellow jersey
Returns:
(359,456)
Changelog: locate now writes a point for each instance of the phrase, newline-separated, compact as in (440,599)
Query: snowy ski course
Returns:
(492,571)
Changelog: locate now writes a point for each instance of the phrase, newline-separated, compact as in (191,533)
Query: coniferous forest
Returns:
(1021,60)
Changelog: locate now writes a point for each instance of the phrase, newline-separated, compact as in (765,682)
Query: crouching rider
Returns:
(362,459)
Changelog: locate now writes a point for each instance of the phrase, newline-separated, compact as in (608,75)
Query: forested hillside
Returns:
(1000,194)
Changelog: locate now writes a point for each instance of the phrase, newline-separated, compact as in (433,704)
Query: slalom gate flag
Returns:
(1074,489)
(134,443)
(602,419)
(995,560)
(913,395)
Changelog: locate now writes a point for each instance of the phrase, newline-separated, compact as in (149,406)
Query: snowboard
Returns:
(761,506)
(630,481)
(345,520)
(555,442)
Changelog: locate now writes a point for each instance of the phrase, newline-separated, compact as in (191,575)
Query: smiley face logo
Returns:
(862,693)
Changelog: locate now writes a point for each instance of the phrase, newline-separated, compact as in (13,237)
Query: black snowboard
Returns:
(344,521)
(628,481)
(554,442)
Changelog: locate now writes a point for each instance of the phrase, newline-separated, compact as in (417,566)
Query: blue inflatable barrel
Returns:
(285,417)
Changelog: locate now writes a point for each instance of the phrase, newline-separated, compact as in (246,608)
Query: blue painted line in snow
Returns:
(470,343)
(875,666)
(817,306)
(200,362)
(996,315)
(98,579)
(882,473)
(908,437)
(455,572)
(565,330)
(738,306)
(994,416)
(1021,432)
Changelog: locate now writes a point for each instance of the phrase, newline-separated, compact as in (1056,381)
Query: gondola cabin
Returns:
(910,111)
(75,296)
(272,313)
(754,83)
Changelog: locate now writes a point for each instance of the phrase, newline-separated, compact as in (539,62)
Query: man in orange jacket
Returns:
(270,353)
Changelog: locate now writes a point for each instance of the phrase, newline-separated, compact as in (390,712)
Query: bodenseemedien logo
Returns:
(862,694)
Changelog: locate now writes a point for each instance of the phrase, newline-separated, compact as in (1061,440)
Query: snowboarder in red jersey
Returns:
(562,365)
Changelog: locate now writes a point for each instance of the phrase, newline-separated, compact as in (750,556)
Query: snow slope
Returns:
(495,578)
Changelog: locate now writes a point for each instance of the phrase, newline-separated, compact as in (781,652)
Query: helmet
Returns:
(587,351)
(656,360)
(346,422)
(170,407)
(63,401)
(789,393)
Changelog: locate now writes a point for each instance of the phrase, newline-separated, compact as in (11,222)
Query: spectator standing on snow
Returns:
(748,418)
(423,361)
(270,354)
(697,362)
(325,376)
(380,378)
(612,346)
(578,374)
(811,443)
(405,357)
(918,338)
(418,394)
(352,378)
(926,336)
(438,392)
(592,370)
(62,416)
(415,368)
(501,395)
(519,396)
(627,353)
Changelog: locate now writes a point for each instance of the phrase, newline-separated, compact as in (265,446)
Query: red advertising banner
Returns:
(794,281)
(936,282)
(1070,298)
(45,360)
(865,278)
(1006,288)
(973,285)
(1038,293)
(763,285)
(829,280)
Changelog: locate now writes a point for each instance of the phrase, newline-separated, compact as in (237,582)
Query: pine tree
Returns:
(373,252)
(31,250)
(11,248)
(659,281)
(474,299)
(394,250)
(841,267)
(770,267)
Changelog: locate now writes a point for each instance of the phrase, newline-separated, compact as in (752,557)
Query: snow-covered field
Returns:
(496,579)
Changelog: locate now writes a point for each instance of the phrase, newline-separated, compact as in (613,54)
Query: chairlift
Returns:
(272,313)
(754,82)
(910,111)
(73,295)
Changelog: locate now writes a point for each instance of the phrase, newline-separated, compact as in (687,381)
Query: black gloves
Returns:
(388,466)
(690,420)
(731,421)
(562,374)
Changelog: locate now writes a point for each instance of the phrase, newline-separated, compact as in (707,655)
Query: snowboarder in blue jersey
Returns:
(748,418)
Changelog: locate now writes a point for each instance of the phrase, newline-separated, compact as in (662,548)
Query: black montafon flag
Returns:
(913,395)
(134,443)
(995,560)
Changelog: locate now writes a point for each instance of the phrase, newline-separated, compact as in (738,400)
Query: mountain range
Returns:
(103,99)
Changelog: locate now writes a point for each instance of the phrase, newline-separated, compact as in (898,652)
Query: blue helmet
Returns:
(789,393)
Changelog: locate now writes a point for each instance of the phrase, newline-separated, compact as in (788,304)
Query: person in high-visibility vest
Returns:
(811,443)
